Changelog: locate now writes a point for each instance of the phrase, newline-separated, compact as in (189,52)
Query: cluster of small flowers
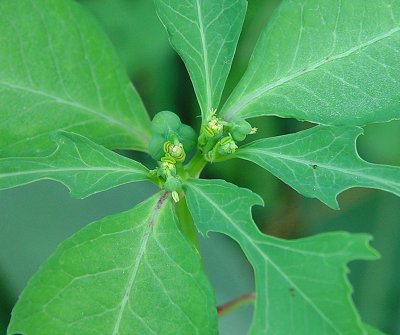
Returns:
(218,138)
(174,153)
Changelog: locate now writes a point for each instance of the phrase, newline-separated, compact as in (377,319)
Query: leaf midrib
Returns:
(79,106)
(270,86)
(265,257)
(14,174)
(137,261)
(205,57)
(242,154)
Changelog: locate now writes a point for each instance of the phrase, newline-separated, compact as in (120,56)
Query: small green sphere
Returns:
(173,184)
(240,130)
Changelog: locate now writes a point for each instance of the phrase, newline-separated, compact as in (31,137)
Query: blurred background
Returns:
(35,218)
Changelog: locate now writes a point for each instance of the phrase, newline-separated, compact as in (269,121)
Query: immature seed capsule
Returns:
(166,126)
(172,184)
(240,130)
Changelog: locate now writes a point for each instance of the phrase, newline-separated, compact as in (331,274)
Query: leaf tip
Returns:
(360,247)
(373,253)
(330,202)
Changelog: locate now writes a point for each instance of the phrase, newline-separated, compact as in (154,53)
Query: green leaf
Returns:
(81,165)
(301,285)
(321,162)
(335,64)
(60,72)
(372,331)
(205,34)
(131,273)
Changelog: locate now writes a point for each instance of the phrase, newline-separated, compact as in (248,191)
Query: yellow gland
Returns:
(208,131)
(168,159)
(175,151)
(175,196)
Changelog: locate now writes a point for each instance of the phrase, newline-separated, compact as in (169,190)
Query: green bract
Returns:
(66,103)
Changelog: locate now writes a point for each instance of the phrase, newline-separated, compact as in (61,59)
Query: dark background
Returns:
(35,218)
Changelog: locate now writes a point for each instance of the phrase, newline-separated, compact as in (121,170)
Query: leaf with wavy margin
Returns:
(321,162)
(81,165)
(333,62)
(301,285)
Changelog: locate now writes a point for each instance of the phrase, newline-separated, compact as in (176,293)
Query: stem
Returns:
(196,165)
(234,304)
(185,220)
(156,181)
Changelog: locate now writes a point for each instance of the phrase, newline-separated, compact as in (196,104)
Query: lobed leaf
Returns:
(81,165)
(131,273)
(301,285)
(60,72)
(205,34)
(332,62)
(321,162)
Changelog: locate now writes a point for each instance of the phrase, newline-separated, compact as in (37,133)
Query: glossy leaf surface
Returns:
(59,72)
(131,273)
(321,162)
(205,34)
(81,165)
(332,62)
(301,285)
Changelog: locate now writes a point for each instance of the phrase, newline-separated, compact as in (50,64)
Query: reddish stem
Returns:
(234,304)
